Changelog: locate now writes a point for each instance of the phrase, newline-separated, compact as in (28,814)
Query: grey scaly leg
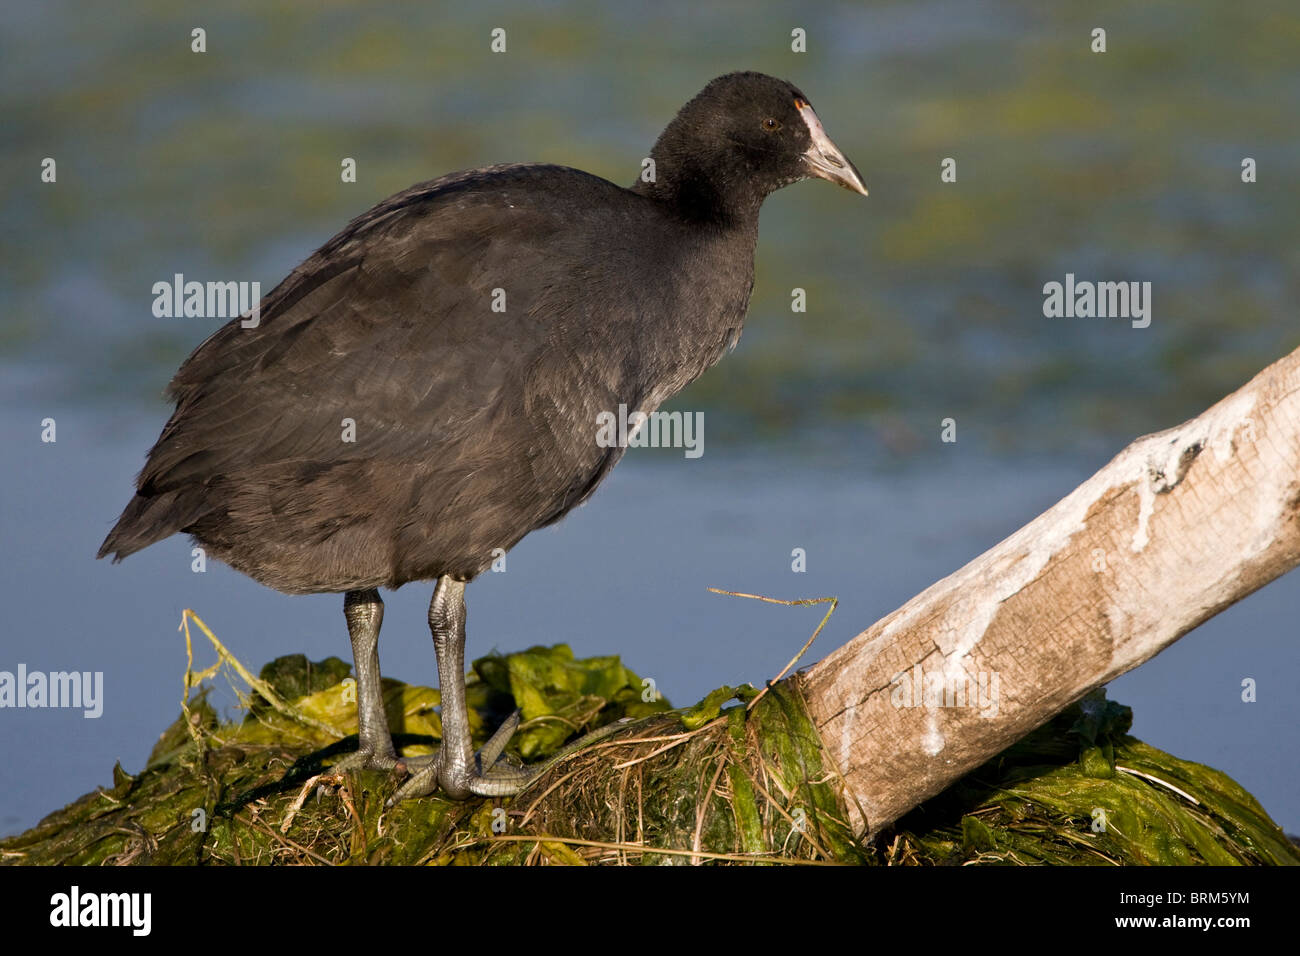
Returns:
(364,612)
(457,769)
(447,622)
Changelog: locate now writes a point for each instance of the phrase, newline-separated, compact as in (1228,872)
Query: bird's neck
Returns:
(698,192)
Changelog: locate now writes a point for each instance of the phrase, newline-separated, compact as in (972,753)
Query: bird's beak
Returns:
(824,159)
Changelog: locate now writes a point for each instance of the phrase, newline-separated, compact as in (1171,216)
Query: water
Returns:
(924,301)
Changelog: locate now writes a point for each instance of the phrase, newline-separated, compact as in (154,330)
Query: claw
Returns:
(369,760)
(412,764)
(488,779)
(364,760)
(500,779)
(421,783)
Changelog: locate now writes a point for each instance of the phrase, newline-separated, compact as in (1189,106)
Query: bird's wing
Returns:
(421,322)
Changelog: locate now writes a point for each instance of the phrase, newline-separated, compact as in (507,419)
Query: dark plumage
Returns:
(473,426)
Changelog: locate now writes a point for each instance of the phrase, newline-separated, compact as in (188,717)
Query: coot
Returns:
(424,390)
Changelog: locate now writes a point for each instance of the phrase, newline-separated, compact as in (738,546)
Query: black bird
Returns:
(473,328)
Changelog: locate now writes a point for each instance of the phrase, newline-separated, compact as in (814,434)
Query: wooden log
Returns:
(1178,526)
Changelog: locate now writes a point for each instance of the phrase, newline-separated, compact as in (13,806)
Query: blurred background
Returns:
(821,430)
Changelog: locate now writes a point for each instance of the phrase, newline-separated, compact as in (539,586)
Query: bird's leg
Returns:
(457,769)
(365,613)
(447,622)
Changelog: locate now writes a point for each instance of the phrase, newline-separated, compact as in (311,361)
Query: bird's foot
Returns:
(366,759)
(485,777)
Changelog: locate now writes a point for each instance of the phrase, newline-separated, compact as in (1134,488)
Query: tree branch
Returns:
(1177,527)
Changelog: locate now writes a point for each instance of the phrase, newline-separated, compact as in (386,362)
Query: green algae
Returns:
(747,783)
(1081,791)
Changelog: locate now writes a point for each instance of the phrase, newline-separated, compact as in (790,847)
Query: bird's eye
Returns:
(771,125)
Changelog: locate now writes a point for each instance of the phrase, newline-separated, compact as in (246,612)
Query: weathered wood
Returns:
(1177,527)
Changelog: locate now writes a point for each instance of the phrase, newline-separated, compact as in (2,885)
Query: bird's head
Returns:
(743,137)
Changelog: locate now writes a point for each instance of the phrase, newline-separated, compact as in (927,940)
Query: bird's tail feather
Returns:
(148,519)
